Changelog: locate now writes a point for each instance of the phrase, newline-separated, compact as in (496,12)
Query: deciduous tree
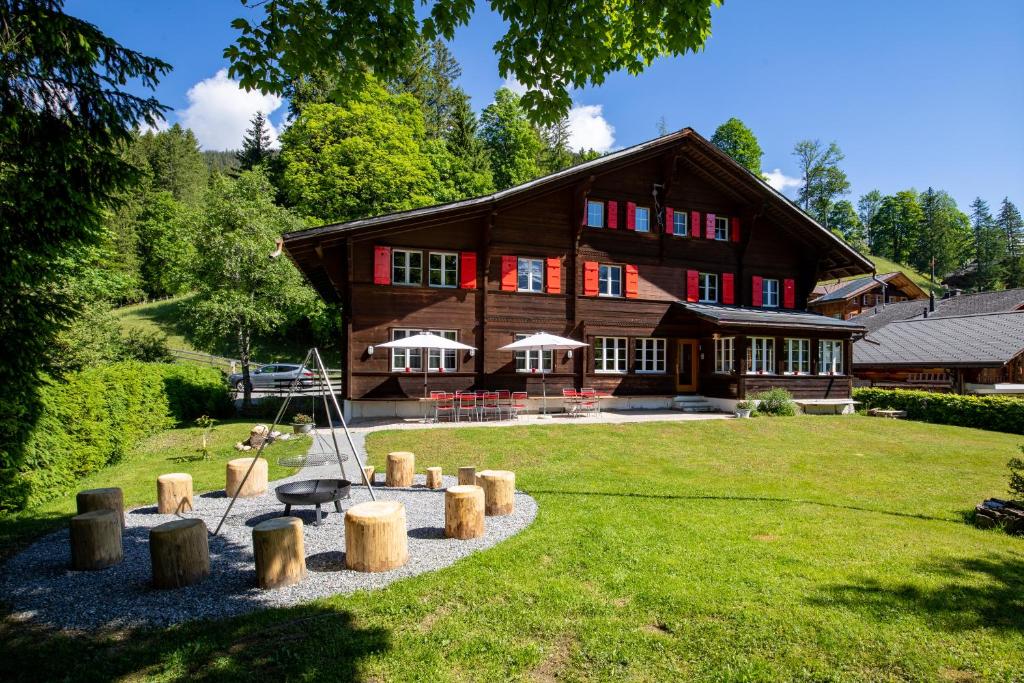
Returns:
(735,139)
(511,141)
(895,225)
(942,236)
(822,181)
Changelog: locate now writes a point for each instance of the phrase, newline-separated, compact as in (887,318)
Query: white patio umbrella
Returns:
(425,341)
(542,341)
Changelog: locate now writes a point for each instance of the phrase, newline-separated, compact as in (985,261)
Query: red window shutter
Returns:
(590,278)
(630,216)
(695,223)
(509,273)
(735,230)
(382,265)
(467,270)
(692,285)
(632,282)
(612,219)
(756,290)
(728,289)
(554,275)
(670,223)
(709,226)
(789,293)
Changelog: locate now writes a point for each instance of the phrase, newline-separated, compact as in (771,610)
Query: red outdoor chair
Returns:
(571,399)
(444,404)
(518,403)
(589,402)
(490,405)
(505,402)
(466,406)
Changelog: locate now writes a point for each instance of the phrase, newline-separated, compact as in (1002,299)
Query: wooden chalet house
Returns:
(684,272)
(852,297)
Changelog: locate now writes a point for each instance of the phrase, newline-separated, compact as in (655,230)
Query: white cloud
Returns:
(780,181)
(588,129)
(515,86)
(160,125)
(219,110)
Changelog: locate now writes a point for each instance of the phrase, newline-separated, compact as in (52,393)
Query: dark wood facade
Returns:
(546,220)
(886,289)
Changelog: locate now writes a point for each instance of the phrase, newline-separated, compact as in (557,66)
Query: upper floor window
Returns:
(609,354)
(595,214)
(642,219)
(830,356)
(721,228)
(761,355)
(443,269)
(532,361)
(708,288)
(609,280)
(770,293)
(649,355)
(798,356)
(406,267)
(680,223)
(725,354)
(531,275)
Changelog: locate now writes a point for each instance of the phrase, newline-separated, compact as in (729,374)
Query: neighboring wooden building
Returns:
(684,272)
(848,298)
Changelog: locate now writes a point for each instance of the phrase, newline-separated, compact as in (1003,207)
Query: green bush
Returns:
(96,417)
(995,413)
(775,401)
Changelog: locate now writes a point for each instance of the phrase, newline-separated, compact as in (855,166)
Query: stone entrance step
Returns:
(692,404)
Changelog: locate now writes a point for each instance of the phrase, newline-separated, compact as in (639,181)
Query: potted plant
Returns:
(744,408)
(302,423)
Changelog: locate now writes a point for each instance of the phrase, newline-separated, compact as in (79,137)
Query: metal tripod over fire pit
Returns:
(326,391)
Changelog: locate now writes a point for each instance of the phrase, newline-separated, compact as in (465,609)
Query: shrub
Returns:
(146,346)
(775,401)
(1016,466)
(995,413)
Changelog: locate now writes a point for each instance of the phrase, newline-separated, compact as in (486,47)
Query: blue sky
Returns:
(916,92)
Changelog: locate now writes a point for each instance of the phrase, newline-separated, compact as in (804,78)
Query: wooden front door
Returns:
(687,365)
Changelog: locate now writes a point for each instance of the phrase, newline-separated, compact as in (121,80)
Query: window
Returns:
(708,288)
(595,214)
(642,219)
(531,361)
(761,355)
(680,224)
(405,359)
(443,358)
(609,280)
(531,275)
(830,356)
(721,228)
(798,356)
(725,354)
(770,293)
(412,359)
(609,354)
(443,270)
(406,267)
(649,355)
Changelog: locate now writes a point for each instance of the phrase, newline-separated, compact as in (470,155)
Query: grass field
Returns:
(884,265)
(811,548)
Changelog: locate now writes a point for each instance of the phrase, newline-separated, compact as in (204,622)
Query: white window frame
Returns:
(539,262)
(798,356)
(725,355)
(830,356)
(444,270)
(590,218)
(406,267)
(450,356)
(722,228)
(531,361)
(616,363)
(413,358)
(761,356)
(605,280)
(649,355)
(647,219)
(707,288)
(680,217)
(766,301)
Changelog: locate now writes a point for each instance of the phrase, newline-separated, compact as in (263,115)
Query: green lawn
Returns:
(884,265)
(812,548)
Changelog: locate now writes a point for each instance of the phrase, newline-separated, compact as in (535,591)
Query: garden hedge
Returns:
(995,413)
(95,417)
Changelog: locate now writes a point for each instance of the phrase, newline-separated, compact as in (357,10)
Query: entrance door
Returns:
(687,365)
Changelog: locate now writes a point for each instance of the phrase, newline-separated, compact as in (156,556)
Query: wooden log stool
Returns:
(464,512)
(180,553)
(173,493)
(280,552)
(375,536)
(368,471)
(467,476)
(401,465)
(499,487)
(95,540)
(102,499)
(255,485)
(433,477)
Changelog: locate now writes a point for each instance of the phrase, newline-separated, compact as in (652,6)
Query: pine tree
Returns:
(1012,227)
(256,143)
(989,247)
(555,154)
(943,234)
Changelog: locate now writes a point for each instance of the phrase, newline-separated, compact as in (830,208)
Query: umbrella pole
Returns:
(543,384)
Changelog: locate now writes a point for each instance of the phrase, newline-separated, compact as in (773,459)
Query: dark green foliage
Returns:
(989,247)
(97,416)
(1016,466)
(511,141)
(256,143)
(1012,226)
(822,181)
(776,401)
(735,139)
(147,346)
(844,221)
(943,234)
(894,226)
(173,163)
(995,413)
(221,161)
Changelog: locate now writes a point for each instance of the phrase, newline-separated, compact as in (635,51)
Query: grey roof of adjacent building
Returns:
(880,316)
(851,287)
(980,302)
(743,316)
(987,339)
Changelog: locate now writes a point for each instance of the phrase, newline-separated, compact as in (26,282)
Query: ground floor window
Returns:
(798,356)
(830,356)
(761,355)
(649,355)
(725,354)
(532,361)
(609,354)
(438,360)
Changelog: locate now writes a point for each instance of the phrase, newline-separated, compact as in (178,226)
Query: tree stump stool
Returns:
(401,465)
(95,540)
(102,499)
(280,552)
(433,477)
(375,536)
(464,512)
(257,435)
(467,476)
(173,493)
(254,485)
(368,471)
(180,553)
(499,487)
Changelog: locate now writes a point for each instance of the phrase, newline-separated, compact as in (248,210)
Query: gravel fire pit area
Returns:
(40,585)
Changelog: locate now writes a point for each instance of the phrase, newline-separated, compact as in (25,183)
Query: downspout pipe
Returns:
(874,276)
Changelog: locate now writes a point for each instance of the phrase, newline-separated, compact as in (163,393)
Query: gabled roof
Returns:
(990,339)
(847,289)
(980,302)
(743,316)
(880,316)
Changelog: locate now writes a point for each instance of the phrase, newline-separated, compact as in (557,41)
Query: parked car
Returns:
(275,376)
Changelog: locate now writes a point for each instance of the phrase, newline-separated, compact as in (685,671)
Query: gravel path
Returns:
(39,584)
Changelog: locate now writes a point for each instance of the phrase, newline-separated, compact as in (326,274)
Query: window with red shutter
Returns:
(789,293)
(613,214)
(756,285)
(632,282)
(509,273)
(728,288)
(630,216)
(467,270)
(590,275)
(692,285)
(554,275)
(670,221)
(709,226)
(382,265)
(695,223)
(735,233)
